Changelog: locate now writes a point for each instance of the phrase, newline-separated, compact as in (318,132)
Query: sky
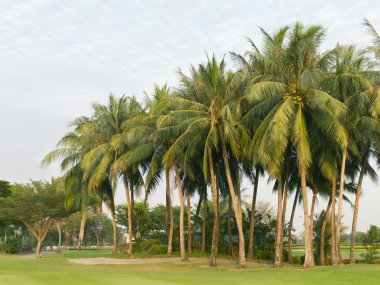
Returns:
(58,57)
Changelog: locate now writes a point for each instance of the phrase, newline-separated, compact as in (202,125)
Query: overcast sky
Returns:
(57,57)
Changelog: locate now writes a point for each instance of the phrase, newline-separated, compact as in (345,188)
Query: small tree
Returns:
(371,241)
(38,205)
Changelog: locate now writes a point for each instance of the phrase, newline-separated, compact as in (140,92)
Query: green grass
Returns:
(55,270)
(345,252)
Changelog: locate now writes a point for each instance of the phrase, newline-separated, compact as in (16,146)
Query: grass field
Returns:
(345,252)
(55,269)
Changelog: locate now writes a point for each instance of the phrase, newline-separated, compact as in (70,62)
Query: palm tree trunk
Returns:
(309,256)
(356,209)
(229,226)
(341,189)
(114,226)
(170,212)
(215,230)
(284,204)
(130,228)
(238,217)
(334,257)
(181,216)
(251,239)
(278,245)
(81,229)
(323,230)
(59,236)
(312,215)
(203,246)
(188,222)
(290,227)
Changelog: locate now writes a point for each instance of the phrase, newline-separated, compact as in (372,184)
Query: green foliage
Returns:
(371,241)
(5,189)
(146,245)
(13,246)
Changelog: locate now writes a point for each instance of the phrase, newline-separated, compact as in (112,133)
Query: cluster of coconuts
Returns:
(297,99)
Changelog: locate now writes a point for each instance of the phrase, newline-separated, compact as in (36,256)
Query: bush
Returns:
(158,249)
(146,245)
(12,246)
(265,254)
(328,261)
(296,260)
(346,261)
(123,247)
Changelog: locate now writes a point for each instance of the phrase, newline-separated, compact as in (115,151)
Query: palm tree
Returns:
(289,101)
(146,147)
(349,84)
(109,121)
(71,149)
(203,116)
(375,37)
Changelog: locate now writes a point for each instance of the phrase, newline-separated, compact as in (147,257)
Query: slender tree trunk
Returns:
(171,218)
(167,211)
(290,227)
(334,257)
(203,246)
(114,226)
(97,240)
(215,230)
(229,226)
(100,209)
(59,236)
(284,204)
(134,232)
(356,208)
(323,230)
(238,217)
(38,248)
(252,220)
(130,213)
(309,256)
(341,190)
(188,222)
(278,244)
(312,216)
(81,229)
(181,216)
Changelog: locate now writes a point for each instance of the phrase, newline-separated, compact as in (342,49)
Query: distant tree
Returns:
(5,188)
(38,205)
(371,241)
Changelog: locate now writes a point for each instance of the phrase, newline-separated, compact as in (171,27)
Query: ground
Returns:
(56,269)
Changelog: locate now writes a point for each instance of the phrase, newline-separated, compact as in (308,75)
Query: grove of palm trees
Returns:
(286,112)
(307,118)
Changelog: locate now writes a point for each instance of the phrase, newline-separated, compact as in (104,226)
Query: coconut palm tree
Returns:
(71,149)
(375,38)
(109,121)
(349,83)
(290,102)
(203,115)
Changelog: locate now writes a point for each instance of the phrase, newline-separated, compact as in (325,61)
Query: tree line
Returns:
(308,119)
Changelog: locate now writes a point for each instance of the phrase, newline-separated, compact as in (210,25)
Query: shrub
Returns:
(146,245)
(158,249)
(328,261)
(346,261)
(296,260)
(265,254)
(12,246)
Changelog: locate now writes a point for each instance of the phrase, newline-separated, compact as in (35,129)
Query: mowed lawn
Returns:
(55,269)
(345,252)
